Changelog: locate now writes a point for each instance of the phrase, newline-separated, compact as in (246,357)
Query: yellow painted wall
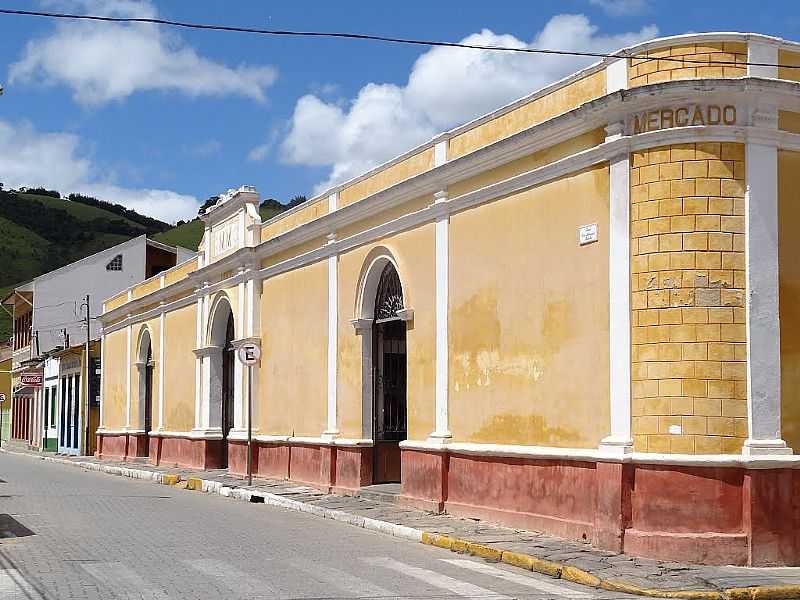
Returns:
(179,369)
(154,327)
(386,216)
(528,338)
(528,163)
(147,287)
(532,113)
(643,71)
(116,301)
(114,379)
(789,250)
(790,59)
(294,331)
(789,121)
(308,212)
(180,272)
(295,250)
(414,252)
(386,178)
(688,286)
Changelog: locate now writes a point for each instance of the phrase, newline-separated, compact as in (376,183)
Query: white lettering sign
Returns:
(587,234)
(682,116)
(226,238)
(248,353)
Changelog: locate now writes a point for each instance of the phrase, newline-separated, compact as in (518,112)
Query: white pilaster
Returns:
(198,365)
(252,315)
(239,395)
(241,318)
(161,372)
(102,423)
(765,53)
(620,440)
(442,232)
(205,398)
(129,332)
(762,317)
(617,76)
(332,427)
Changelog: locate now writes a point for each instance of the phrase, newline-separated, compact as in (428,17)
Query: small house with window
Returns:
(50,406)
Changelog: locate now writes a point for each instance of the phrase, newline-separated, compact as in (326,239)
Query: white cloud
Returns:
(204,149)
(102,62)
(622,8)
(446,87)
(55,161)
(259,153)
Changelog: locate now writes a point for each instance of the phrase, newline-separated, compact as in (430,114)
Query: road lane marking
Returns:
(116,575)
(234,579)
(14,585)
(443,582)
(350,584)
(529,581)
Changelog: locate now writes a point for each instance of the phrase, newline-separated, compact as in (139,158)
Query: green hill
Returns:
(41,231)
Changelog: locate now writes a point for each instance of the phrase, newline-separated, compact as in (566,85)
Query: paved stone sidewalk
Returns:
(669,578)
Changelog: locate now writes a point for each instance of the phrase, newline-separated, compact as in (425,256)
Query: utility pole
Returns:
(88,376)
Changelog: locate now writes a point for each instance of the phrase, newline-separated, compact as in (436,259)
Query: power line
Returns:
(375,38)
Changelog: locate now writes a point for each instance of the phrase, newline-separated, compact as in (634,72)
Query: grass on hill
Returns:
(82,212)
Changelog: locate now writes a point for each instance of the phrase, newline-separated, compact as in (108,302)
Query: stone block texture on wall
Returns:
(689,392)
(695,62)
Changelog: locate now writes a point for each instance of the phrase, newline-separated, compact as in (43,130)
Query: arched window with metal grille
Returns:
(389,298)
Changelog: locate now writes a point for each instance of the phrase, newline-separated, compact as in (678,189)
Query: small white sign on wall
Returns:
(587,234)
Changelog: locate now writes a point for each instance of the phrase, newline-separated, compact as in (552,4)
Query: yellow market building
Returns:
(576,314)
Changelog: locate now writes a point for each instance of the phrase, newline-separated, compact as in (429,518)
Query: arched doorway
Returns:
(228,386)
(146,366)
(389,380)
(223,376)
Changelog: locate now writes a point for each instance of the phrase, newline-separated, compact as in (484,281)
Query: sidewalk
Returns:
(573,561)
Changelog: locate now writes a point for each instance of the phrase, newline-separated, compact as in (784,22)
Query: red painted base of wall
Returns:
(342,469)
(334,468)
(167,451)
(709,515)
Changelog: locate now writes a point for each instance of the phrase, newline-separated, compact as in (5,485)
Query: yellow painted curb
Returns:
(576,575)
(546,567)
(486,552)
(531,563)
(181,485)
(169,479)
(581,577)
(441,541)
(523,561)
(766,592)
(194,483)
(621,586)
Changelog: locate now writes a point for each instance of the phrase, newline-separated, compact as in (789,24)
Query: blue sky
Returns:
(160,119)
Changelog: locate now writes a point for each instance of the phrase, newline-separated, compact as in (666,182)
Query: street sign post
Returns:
(249,354)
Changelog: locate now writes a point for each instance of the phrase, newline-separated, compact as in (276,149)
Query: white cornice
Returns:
(590,116)
(637,49)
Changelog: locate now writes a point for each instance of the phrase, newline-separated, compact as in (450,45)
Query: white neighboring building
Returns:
(50,314)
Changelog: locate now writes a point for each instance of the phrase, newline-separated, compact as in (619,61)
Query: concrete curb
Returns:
(516,559)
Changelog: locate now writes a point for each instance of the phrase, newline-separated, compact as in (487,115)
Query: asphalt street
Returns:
(70,534)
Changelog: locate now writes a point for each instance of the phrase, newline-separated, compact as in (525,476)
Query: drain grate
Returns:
(11,528)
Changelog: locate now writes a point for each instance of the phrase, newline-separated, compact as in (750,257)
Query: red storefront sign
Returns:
(31,379)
